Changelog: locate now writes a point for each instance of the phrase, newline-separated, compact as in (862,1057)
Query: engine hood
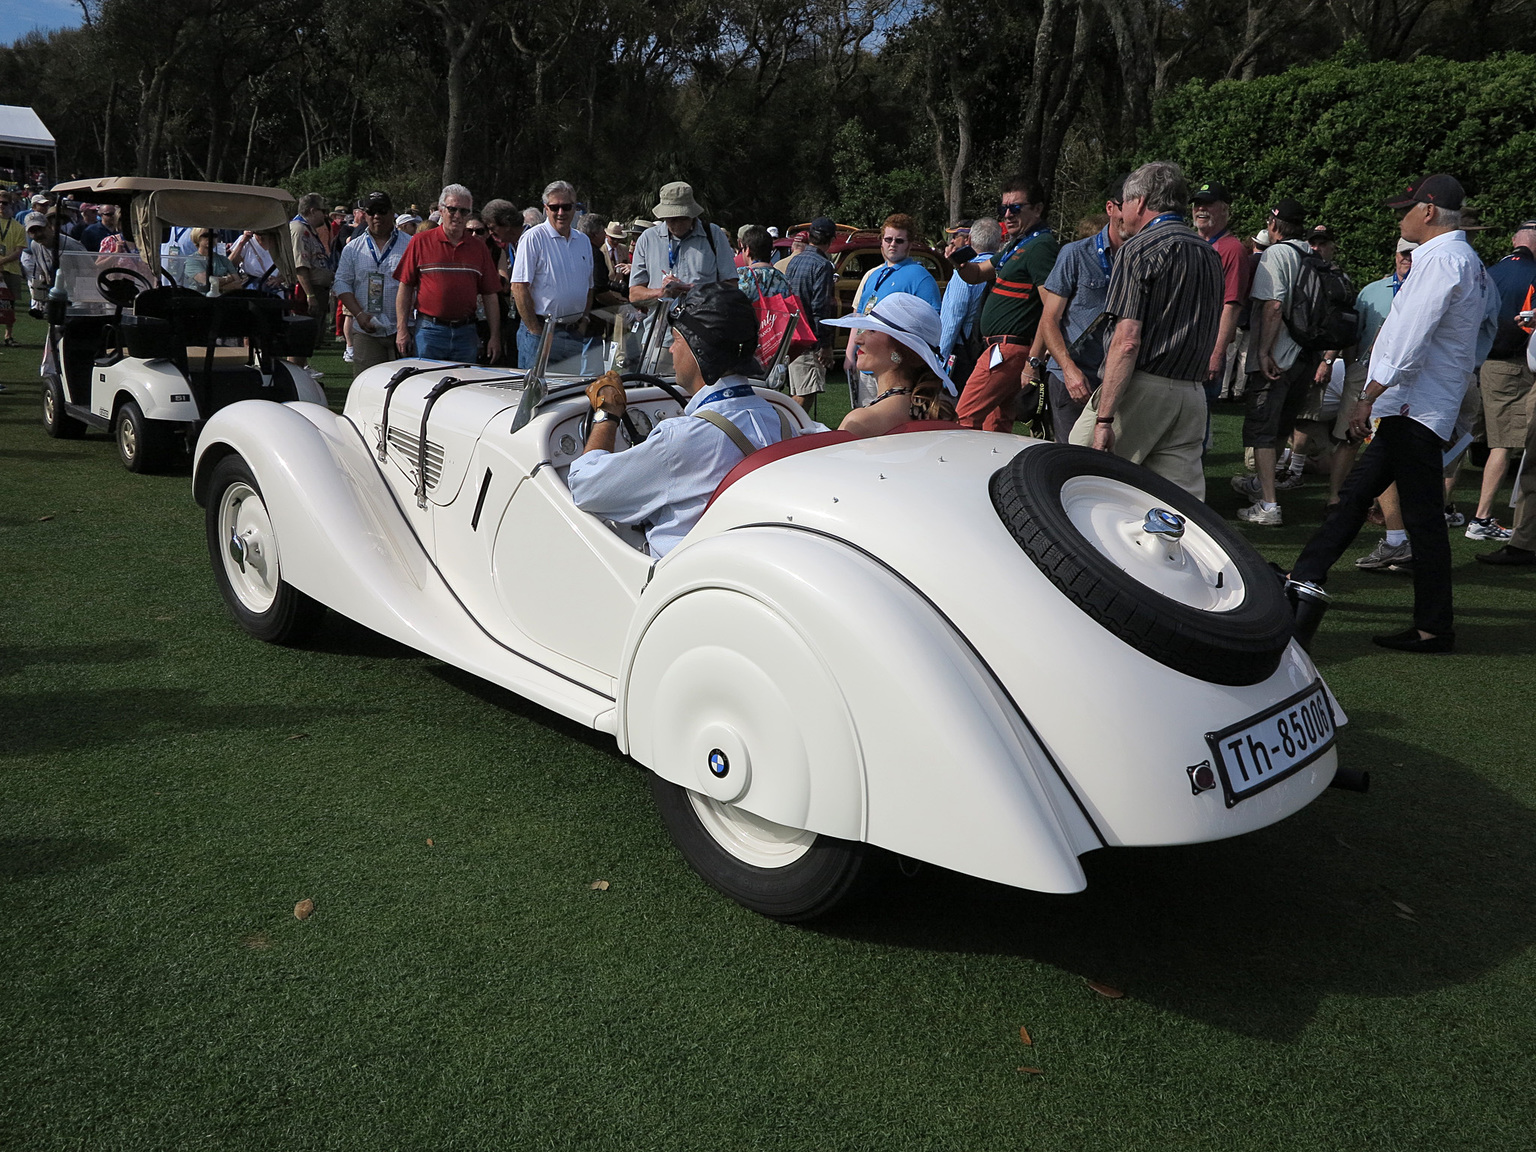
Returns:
(1122,726)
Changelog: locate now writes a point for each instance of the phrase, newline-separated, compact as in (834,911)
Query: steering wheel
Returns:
(121,286)
(666,386)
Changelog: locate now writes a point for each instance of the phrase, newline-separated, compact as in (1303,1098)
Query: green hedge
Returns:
(1342,135)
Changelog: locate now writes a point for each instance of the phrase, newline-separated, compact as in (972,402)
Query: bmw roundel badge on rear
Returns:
(1263,750)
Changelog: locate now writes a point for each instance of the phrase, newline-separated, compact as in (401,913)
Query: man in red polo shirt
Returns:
(444,274)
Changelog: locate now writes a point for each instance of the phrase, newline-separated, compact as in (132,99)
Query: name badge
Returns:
(374,291)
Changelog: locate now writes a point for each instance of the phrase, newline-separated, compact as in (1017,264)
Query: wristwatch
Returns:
(601,414)
(1036,362)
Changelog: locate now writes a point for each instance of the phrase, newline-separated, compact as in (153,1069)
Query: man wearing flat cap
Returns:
(680,250)
(1424,353)
(666,480)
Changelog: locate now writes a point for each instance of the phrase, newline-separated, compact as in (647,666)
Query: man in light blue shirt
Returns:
(962,302)
(365,279)
(898,273)
(666,481)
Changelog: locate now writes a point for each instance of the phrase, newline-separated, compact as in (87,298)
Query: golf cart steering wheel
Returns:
(121,286)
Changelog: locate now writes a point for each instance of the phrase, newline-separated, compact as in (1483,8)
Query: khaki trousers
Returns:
(1525,499)
(1159,422)
(370,350)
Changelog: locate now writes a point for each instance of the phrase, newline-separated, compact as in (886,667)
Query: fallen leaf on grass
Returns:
(165,617)
(303,909)
(1401,907)
(598,885)
(1105,990)
(1405,916)
(1024,1036)
(1033,1071)
(40,519)
(429,842)
(299,736)
(1342,842)
(258,941)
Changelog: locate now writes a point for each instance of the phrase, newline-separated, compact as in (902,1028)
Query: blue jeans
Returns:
(436,341)
(567,351)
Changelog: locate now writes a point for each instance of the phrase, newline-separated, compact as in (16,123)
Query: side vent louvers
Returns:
(409,447)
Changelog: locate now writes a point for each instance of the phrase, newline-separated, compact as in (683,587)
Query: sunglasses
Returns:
(455,211)
(558,208)
(378,211)
(895,240)
(476,231)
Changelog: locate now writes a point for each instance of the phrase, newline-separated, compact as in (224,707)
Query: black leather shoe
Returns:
(1409,640)
(1508,554)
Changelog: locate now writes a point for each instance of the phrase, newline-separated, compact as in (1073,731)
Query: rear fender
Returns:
(850,705)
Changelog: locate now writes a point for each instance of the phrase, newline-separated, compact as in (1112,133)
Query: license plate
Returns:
(1263,750)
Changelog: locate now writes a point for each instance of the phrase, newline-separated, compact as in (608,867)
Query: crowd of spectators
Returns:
(1125,335)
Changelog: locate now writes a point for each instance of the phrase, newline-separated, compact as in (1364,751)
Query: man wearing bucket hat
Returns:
(666,480)
(1422,358)
(680,250)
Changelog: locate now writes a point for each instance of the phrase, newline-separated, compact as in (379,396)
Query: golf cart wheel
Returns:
(57,421)
(1147,561)
(142,445)
(785,873)
(247,562)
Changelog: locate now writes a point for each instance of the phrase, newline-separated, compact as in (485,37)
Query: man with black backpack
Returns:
(1305,306)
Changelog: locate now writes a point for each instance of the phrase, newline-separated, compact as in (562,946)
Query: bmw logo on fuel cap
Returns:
(719,765)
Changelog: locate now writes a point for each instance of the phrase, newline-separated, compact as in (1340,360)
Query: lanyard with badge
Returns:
(1101,249)
(373,302)
(731,392)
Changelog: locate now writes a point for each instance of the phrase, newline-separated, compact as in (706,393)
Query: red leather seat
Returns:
(923,426)
(778,451)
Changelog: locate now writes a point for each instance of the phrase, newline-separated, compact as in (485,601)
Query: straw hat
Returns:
(614,231)
(909,320)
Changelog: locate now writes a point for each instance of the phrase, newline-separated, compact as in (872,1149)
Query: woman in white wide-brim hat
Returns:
(898,342)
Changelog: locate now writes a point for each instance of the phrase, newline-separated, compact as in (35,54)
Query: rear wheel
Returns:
(57,421)
(786,873)
(142,445)
(247,562)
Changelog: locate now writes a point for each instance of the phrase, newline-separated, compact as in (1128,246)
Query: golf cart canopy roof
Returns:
(192,204)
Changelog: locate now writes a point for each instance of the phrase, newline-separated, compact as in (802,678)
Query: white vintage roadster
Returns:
(978,650)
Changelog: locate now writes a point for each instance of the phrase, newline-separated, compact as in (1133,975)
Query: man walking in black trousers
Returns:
(1423,355)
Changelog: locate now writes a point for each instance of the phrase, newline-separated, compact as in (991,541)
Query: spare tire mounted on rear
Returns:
(1185,589)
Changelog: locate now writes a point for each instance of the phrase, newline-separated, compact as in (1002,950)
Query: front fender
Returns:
(856,708)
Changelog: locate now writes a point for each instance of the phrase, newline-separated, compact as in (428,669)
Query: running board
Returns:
(82,413)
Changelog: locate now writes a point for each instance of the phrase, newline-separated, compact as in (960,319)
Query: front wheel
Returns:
(57,421)
(246,561)
(786,873)
(143,445)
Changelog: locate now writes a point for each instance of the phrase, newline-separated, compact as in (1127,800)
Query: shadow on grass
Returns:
(43,722)
(37,455)
(15,658)
(23,858)
(339,636)
(499,697)
(1422,884)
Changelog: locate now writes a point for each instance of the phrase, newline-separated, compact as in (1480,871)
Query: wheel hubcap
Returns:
(749,838)
(250,554)
(127,439)
(1167,552)
(48,413)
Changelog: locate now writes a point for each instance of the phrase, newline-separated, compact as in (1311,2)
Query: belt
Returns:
(1008,340)
(448,323)
(572,328)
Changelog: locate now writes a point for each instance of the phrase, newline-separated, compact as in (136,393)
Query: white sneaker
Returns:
(346,357)
(1258,514)
(1453,518)
(1288,481)
(1486,529)
(1385,555)
(1248,486)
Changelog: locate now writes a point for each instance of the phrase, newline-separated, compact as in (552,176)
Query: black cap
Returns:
(1290,211)
(1115,189)
(822,229)
(1209,193)
(378,203)
(1321,234)
(1440,190)
(720,325)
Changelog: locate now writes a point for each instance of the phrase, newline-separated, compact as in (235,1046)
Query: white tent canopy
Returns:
(21,126)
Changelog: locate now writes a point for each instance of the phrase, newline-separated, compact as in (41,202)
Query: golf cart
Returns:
(143,346)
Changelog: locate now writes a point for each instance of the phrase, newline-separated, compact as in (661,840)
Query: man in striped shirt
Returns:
(1166,296)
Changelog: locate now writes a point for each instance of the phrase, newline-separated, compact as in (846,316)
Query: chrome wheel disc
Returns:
(1170,554)
(127,438)
(749,838)
(250,547)
(49,413)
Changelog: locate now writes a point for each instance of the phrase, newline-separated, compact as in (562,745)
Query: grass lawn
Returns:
(1361,976)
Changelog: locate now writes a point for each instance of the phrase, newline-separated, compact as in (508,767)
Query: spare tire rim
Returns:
(1191,567)
(749,838)
(250,548)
